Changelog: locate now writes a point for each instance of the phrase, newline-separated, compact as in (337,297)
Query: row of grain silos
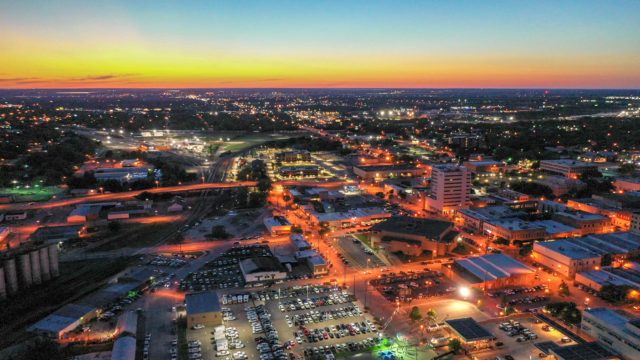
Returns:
(27,265)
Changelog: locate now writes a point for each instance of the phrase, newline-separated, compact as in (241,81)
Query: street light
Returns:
(465,292)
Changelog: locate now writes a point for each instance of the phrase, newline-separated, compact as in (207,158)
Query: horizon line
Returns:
(318,88)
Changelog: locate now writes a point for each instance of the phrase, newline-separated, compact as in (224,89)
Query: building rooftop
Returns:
(351,214)
(433,229)
(202,302)
(491,212)
(566,162)
(62,318)
(493,266)
(612,318)
(390,167)
(553,227)
(469,329)
(586,351)
(261,264)
(568,249)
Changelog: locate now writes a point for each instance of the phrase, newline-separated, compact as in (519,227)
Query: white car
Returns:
(222,353)
(198,326)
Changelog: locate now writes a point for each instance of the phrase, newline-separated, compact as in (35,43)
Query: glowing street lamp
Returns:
(465,292)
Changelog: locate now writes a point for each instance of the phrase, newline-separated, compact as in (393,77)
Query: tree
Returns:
(455,345)
(565,310)
(431,315)
(114,226)
(415,314)
(264,184)
(615,293)
(563,289)
(296,229)
(219,232)
(41,349)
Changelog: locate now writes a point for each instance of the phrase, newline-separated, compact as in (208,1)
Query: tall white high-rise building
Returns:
(450,189)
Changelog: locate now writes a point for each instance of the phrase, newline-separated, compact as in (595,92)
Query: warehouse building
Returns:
(262,268)
(493,271)
(203,308)
(64,320)
(627,275)
(277,225)
(565,257)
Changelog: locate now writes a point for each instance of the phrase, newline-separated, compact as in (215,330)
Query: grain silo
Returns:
(24,267)
(53,260)
(11,275)
(44,264)
(3,285)
(36,273)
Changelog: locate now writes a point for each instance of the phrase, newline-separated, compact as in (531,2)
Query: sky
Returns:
(322,44)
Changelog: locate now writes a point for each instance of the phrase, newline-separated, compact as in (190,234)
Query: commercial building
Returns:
(515,229)
(203,308)
(299,171)
(475,218)
(586,222)
(616,331)
(450,189)
(493,271)
(64,320)
(567,168)
(586,351)
(293,156)
(472,335)
(360,217)
(627,184)
(485,166)
(318,265)
(127,212)
(4,233)
(262,268)
(381,172)
(616,247)
(83,214)
(414,236)
(620,217)
(124,348)
(54,234)
(560,185)
(277,225)
(629,275)
(126,174)
(565,257)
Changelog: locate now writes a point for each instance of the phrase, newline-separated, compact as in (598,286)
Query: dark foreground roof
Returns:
(587,351)
(202,302)
(432,229)
(469,329)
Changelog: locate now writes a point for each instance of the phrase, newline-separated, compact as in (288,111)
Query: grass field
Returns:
(23,194)
(243,142)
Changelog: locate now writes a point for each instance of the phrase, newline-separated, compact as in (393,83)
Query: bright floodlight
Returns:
(464,291)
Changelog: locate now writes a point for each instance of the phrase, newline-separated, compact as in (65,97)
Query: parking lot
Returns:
(224,271)
(355,253)
(523,298)
(407,286)
(519,337)
(290,323)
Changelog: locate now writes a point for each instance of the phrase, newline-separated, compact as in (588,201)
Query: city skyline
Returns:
(352,44)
